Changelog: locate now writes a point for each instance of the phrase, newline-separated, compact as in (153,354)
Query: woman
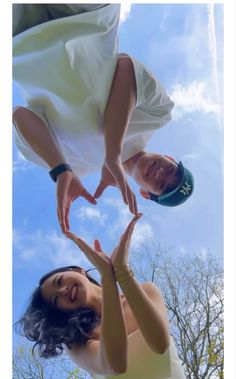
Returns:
(89,107)
(103,331)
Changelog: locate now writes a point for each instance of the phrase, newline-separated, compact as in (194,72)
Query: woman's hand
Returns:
(69,187)
(95,255)
(120,254)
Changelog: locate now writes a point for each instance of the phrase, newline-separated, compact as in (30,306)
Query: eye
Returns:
(159,188)
(170,171)
(59,280)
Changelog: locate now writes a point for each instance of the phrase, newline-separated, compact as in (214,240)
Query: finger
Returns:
(88,197)
(81,243)
(132,201)
(67,217)
(122,185)
(100,189)
(97,246)
(130,228)
(135,205)
(61,219)
(71,235)
(123,190)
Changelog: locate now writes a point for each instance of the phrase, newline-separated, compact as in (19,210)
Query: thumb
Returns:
(61,218)
(100,189)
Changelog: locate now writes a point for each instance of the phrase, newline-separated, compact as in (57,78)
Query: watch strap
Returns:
(58,170)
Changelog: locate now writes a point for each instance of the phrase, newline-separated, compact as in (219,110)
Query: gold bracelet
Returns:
(120,267)
(121,277)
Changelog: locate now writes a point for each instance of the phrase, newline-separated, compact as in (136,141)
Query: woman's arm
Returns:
(148,307)
(40,139)
(145,302)
(113,339)
(109,355)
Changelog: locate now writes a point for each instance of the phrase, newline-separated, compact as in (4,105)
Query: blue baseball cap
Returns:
(180,194)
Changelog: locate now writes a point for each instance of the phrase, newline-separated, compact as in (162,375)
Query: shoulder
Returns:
(152,291)
(150,287)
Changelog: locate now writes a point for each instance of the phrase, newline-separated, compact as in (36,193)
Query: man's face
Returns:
(156,173)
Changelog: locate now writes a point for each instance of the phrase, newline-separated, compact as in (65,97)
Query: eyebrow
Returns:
(54,281)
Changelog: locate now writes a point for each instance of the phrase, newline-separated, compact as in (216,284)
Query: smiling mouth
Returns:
(73,293)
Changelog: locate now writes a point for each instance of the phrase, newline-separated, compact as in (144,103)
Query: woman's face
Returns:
(66,290)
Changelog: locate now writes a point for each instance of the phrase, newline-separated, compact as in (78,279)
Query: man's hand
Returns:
(113,175)
(106,181)
(69,187)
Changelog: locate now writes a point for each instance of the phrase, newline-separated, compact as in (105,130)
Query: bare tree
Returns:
(193,290)
(192,286)
(27,365)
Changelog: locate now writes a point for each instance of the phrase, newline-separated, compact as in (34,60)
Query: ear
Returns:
(145,194)
(167,156)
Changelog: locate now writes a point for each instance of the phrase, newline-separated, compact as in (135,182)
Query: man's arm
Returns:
(40,139)
(119,107)
(117,114)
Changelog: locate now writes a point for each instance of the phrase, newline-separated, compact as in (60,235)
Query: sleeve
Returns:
(23,146)
(151,95)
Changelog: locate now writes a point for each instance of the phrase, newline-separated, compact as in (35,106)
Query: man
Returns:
(89,107)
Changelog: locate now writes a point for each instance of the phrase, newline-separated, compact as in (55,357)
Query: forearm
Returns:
(151,317)
(119,107)
(38,136)
(113,338)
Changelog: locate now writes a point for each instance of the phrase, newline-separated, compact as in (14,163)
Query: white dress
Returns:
(145,364)
(65,68)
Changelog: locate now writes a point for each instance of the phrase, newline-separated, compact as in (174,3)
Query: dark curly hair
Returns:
(50,327)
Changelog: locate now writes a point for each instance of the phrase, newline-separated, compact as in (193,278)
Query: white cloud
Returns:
(191,98)
(124,11)
(213,48)
(94,214)
(123,215)
(39,247)
(190,157)
(20,163)
(142,233)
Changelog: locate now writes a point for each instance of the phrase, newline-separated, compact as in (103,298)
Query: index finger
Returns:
(100,189)
(61,219)
(81,243)
(88,197)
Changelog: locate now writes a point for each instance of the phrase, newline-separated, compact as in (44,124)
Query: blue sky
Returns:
(183,46)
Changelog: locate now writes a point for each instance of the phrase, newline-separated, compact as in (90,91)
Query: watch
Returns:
(58,170)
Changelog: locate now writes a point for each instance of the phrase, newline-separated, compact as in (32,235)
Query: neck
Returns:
(131,162)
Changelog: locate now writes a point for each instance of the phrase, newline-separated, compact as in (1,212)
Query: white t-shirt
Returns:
(65,69)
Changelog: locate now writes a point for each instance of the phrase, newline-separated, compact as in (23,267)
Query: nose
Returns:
(63,291)
(160,172)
